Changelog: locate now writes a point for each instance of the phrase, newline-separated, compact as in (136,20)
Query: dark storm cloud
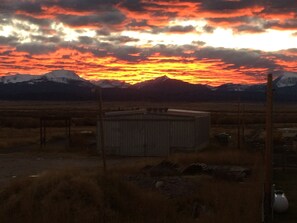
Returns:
(114,41)
(96,51)
(109,12)
(169,50)
(287,24)
(218,5)
(83,5)
(86,40)
(173,29)
(281,4)
(142,6)
(103,32)
(255,23)
(43,39)
(287,56)
(181,29)
(6,54)
(6,6)
(29,7)
(163,13)
(198,43)
(109,18)
(36,7)
(126,50)
(249,29)
(248,24)
(208,29)
(133,5)
(235,58)
(8,40)
(135,23)
(36,21)
(235,19)
(121,39)
(247,58)
(36,48)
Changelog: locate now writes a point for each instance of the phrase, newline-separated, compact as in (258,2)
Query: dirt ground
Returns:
(15,165)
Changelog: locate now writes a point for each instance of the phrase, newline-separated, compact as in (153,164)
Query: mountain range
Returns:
(67,85)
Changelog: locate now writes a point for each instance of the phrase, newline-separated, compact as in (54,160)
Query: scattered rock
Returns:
(195,168)
(234,173)
(159,184)
(34,176)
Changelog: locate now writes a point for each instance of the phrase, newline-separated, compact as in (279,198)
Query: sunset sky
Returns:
(199,41)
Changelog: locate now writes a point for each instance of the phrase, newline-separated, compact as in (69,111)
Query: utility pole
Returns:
(239,122)
(101,129)
(268,214)
(243,124)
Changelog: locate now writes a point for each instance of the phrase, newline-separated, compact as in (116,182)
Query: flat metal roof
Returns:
(158,111)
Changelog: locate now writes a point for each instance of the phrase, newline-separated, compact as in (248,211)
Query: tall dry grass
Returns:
(71,196)
(88,196)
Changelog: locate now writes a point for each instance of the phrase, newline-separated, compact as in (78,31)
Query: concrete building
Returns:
(154,131)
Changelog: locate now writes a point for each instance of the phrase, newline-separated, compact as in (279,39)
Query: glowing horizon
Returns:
(203,41)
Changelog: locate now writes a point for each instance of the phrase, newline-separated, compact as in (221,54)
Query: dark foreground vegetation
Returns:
(125,193)
(89,196)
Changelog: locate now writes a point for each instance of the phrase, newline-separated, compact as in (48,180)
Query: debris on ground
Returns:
(172,187)
(194,169)
(177,183)
(233,173)
(226,172)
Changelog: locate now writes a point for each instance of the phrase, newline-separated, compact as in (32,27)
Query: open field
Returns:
(67,178)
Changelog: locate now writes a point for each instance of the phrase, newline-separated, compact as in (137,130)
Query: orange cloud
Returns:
(203,71)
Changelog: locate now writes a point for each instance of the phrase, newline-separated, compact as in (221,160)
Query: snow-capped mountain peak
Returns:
(287,79)
(18,78)
(59,76)
(62,76)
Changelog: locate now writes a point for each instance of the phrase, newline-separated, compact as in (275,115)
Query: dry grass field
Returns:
(87,195)
(71,187)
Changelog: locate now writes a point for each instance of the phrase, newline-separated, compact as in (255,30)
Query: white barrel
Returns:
(280,204)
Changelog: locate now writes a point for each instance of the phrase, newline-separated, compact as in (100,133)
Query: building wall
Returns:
(202,131)
(182,134)
(154,135)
